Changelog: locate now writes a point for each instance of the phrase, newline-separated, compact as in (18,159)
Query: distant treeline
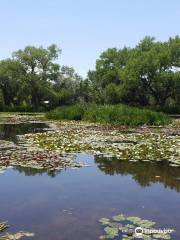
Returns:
(147,75)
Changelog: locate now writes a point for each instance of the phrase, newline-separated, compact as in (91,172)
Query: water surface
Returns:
(9,131)
(68,205)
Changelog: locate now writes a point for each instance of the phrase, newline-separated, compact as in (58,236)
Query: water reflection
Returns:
(145,173)
(33,171)
(10,131)
(69,205)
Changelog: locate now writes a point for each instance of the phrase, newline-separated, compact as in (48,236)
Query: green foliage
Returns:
(104,221)
(32,78)
(119,217)
(144,76)
(112,114)
(1,101)
(111,232)
(147,75)
(125,228)
(75,112)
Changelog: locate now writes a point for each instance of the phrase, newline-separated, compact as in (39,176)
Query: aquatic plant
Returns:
(137,146)
(25,156)
(9,236)
(113,114)
(3,226)
(55,150)
(119,218)
(111,232)
(104,221)
(124,228)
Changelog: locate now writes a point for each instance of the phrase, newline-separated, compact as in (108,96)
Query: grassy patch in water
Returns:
(112,114)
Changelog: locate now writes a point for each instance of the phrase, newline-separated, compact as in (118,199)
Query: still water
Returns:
(10,131)
(67,205)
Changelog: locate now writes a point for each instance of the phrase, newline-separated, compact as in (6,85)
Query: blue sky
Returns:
(84,28)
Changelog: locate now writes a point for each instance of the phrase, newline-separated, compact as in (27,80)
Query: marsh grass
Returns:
(111,114)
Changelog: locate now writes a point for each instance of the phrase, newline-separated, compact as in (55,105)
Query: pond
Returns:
(68,204)
(9,131)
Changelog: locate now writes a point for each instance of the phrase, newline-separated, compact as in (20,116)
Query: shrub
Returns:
(74,112)
(111,114)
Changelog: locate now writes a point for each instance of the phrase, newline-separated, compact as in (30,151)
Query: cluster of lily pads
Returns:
(124,228)
(24,156)
(144,146)
(55,150)
(9,236)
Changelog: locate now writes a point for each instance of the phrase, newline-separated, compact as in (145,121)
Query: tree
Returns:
(2,104)
(40,69)
(67,85)
(151,70)
(11,81)
(32,77)
(146,75)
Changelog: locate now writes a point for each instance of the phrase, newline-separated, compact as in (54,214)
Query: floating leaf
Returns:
(124,228)
(104,221)
(119,218)
(111,232)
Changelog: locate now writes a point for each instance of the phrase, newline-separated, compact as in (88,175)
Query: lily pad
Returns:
(111,232)
(124,228)
(119,218)
(104,221)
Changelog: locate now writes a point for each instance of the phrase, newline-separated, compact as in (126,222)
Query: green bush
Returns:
(111,114)
(19,108)
(74,112)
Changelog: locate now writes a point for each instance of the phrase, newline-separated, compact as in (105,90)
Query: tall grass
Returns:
(112,114)
(75,112)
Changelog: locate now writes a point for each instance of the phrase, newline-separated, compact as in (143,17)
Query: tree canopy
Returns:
(32,77)
(147,75)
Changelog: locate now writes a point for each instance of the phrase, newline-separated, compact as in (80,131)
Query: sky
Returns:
(83,29)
